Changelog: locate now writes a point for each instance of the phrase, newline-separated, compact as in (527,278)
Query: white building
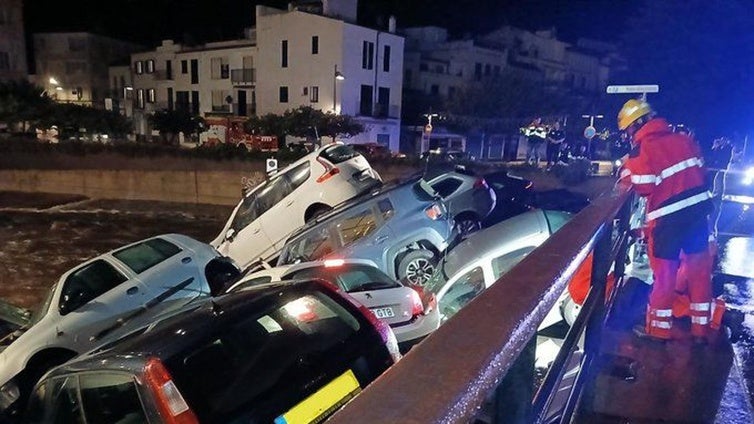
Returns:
(309,55)
(12,42)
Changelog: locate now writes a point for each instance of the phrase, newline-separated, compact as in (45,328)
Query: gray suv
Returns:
(401,228)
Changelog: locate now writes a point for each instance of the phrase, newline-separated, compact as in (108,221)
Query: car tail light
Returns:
(434,212)
(417,307)
(427,298)
(334,263)
(480,183)
(170,403)
(330,171)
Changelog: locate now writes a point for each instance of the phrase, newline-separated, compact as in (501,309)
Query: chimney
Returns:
(391,24)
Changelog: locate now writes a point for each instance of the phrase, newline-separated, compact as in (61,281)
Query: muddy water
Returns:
(38,242)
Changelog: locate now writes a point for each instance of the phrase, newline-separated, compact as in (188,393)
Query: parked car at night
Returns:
(514,195)
(281,352)
(396,304)
(467,196)
(401,228)
(133,282)
(476,263)
(267,215)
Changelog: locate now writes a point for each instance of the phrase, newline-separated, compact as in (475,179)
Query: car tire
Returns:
(317,211)
(417,266)
(467,224)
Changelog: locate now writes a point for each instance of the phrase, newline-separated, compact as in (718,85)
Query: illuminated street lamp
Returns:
(336,76)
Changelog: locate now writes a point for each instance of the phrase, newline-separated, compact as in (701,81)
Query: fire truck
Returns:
(230,129)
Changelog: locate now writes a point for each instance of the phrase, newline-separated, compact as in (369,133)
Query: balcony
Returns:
(243,77)
(161,75)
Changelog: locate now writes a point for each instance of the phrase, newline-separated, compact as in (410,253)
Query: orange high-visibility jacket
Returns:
(667,168)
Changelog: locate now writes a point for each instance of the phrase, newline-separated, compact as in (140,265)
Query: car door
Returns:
(283,206)
(447,187)
(248,241)
(93,297)
(170,275)
(363,232)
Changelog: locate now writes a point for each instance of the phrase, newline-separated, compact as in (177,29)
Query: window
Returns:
(151,96)
(451,91)
(184,66)
(557,219)
(139,67)
(350,277)
(339,153)
(64,401)
(283,94)
(272,193)
(315,44)
(355,227)
(365,103)
(496,70)
(169,69)
(194,71)
(386,60)
(76,44)
(383,102)
(312,246)
(386,209)
(150,66)
(110,398)
(4,61)
(87,283)
(145,255)
(477,71)
(284,54)
(246,214)
(447,186)
(463,290)
(140,100)
(502,264)
(367,55)
(487,69)
(169,95)
(314,94)
(219,68)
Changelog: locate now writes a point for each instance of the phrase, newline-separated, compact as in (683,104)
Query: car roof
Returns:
(492,238)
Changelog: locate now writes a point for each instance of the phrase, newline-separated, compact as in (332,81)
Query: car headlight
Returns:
(749,176)
(9,393)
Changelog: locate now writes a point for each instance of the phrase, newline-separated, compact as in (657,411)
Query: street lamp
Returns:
(336,76)
(590,132)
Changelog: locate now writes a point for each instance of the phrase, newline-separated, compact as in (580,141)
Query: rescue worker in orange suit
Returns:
(668,170)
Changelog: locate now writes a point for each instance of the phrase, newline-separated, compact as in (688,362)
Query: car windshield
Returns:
(147,254)
(289,345)
(350,277)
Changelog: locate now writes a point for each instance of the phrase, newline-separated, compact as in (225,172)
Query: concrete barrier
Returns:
(199,187)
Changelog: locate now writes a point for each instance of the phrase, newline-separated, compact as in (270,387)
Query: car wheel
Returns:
(417,267)
(319,210)
(467,225)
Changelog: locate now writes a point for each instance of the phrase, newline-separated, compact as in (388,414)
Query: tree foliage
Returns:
(304,121)
(171,122)
(21,101)
(701,53)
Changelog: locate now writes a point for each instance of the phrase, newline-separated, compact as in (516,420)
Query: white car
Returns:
(314,184)
(399,306)
(480,260)
(124,286)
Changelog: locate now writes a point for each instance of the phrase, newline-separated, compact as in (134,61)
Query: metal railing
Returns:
(455,371)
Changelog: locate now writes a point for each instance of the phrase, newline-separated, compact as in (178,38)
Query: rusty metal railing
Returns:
(447,377)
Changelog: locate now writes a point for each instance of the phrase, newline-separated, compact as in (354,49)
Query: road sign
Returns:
(630,89)
(271,165)
(590,132)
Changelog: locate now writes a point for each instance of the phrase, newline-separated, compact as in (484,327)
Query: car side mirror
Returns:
(230,234)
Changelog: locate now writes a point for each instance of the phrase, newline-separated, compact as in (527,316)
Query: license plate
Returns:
(323,402)
(383,312)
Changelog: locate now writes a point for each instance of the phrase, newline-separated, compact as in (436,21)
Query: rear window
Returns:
(143,256)
(339,153)
(424,191)
(557,219)
(312,245)
(269,360)
(350,277)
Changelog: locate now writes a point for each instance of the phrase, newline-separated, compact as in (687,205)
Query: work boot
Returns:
(734,320)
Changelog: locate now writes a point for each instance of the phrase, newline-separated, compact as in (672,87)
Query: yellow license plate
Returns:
(323,402)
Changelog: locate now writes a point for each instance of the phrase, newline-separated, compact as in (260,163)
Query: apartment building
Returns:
(312,54)
(73,67)
(13,64)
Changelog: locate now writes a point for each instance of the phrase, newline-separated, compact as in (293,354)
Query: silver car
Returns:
(401,228)
(394,303)
(468,197)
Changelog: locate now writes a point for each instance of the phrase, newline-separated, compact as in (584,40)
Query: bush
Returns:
(574,172)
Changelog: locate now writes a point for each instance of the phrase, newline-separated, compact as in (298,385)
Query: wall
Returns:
(201,187)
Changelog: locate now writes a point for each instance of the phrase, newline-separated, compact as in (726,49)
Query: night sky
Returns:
(149,21)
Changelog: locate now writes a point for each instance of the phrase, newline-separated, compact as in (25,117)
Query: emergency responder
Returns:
(536,134)
(668,170)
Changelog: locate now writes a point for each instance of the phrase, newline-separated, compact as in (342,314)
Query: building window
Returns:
(194,71)
(220,68)
(4,61)
(367,55)
(365,102)
(496,70)
(169,69)
(283,94)
(451,91)
(386,60)
(76,44)
(140,101)
(139,67)
(150,66)
(171,104)
(315,44)
(487,69)
(314,94)
(151,96)
(184,66)
(284,53)
(383,102)
(477,71)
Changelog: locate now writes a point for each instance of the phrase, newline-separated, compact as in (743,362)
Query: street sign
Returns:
(271,165)
(590,132)
(631,89)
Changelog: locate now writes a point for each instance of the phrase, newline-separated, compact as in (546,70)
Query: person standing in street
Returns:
(555,139)
(668,170)
(536,134)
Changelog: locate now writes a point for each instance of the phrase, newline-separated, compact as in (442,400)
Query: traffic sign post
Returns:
(590,132)
(633,89)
